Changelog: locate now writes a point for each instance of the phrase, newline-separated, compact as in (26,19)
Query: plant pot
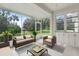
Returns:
(11,43)
(35,38)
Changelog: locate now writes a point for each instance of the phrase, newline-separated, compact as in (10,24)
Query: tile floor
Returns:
(55,51)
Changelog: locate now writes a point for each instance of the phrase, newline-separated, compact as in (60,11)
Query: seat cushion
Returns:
(48,40)
(20,41)
(24,40)
(19,38)
(29,39)
(49,37)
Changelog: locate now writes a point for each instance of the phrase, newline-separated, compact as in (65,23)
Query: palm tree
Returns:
(14,18)
(4,12)
(4,19)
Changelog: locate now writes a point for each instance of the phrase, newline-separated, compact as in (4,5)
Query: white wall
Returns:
(67,38)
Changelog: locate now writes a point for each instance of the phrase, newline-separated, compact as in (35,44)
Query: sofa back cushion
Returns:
(28,36)
(24,37)
(19,38)
(20,41)
(49,37)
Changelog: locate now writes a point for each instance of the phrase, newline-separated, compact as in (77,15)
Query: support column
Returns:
(65,24)
(52,24)
(35,25)
(21,27)
(41,27)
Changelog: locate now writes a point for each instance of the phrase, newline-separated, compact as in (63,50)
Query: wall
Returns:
(67,38)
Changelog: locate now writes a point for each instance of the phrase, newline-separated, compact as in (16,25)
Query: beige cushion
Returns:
(19,38)
(29,39)
(48,40)
(49,37)
(28,36)
(23,40)
(19,41)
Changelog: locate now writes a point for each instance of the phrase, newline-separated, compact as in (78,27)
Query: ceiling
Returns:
(26,8)
(52,7)
(36,9)
(58,6)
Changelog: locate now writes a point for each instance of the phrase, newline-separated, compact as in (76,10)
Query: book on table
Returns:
(38,49)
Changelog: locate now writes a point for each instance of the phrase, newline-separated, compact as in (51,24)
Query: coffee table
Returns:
(37,53)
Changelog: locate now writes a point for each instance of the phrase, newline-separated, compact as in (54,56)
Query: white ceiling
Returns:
(58,6)
(26,8)
(36,10)
(55,6)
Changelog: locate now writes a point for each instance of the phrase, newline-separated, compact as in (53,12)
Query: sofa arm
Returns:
(14,42)
(34,39)
(46,37)
(54,39)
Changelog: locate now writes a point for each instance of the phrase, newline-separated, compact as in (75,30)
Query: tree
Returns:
(4,12)
(29,24)
(3,23)
(14,18)
(8,15)
(60,24)
(45,23)
(5,18)
(14,28)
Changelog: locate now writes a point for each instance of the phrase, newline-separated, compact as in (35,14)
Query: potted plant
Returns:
(7,37)
(34,34)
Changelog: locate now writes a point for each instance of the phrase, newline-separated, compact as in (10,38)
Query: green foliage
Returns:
(60,23)
(1,37)
(12,28)
(5,35)
(4,12)
(14,18)
(46,31)
(34,33)
(5,25)
(46,23)
(29,24)
(4,19)
(10,36)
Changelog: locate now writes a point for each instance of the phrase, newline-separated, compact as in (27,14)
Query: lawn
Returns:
(44,32)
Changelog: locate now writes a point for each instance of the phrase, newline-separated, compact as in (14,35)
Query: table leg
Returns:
(27,51)
(47,51)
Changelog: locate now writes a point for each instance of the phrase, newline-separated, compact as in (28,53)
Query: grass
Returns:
(44,32)
(59,30)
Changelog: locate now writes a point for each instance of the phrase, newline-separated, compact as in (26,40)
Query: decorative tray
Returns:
(38,49)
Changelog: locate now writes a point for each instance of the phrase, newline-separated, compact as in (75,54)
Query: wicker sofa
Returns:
(20,42)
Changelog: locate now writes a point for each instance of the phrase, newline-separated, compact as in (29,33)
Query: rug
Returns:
(22,51)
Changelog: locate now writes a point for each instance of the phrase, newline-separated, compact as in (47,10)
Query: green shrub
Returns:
(34,33)
(6,35)
(1,37)
(10,36)
(14,29)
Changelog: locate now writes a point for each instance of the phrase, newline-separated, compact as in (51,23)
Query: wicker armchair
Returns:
(49,41)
